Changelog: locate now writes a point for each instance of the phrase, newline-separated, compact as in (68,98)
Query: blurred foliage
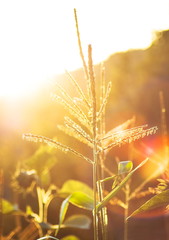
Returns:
(155,202)
(137,76)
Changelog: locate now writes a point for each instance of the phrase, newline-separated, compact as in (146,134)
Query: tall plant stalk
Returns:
(90,130)
(1,205)
(92,94)
(126,210)
(103,213)
(94,127)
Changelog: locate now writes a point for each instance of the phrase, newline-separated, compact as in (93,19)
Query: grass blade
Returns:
(118,188)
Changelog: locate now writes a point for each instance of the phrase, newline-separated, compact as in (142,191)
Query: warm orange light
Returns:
(34,49)
(158,161)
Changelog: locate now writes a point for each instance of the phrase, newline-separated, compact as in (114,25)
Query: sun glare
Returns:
(38,38)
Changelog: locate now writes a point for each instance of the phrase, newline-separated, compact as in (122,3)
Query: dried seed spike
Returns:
(71,124)
(102,96)
(134,129)
(71,110)
(71,101)
(102,90)
(80,45)
(92,87)
(53,143)
(130,136)
(104,101)
(79,89)
(91,72)
(72,133)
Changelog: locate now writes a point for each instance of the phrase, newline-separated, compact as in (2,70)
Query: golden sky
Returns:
(38,38)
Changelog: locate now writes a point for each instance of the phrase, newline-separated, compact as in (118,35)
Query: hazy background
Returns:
(38,38)
(38,41)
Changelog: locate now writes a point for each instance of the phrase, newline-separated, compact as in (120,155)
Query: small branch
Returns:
(133,130)
(79,89)
(71,124)
(72,133)
(80,45)
(74,105)
(72,110)
(104,101)
(129,137)
(53,143)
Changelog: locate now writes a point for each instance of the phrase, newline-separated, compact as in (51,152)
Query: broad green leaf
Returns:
(159,200)
(47,237)
(72,186)
(124,167)
(81,200)
(7,207)
(118,188)
(62,213)
(70,237)
(78,221)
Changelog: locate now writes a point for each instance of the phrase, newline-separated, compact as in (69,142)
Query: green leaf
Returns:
(70,237)
(82,200)
(63,211)
(159,200)
(78,221)
(81,193)
(7,207)
(124,167)
(118,188)
(72,186)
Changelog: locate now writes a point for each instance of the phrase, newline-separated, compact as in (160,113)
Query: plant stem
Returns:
(127,192)
(17,217)
(40,203)
(95,220)
(103,220)
(94,126)
(1,206)
(120,186)
(95,167)
(103,214)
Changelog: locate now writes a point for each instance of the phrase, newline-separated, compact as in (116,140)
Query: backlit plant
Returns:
(87,124)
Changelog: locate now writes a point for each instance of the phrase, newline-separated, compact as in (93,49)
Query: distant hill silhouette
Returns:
(137,77)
